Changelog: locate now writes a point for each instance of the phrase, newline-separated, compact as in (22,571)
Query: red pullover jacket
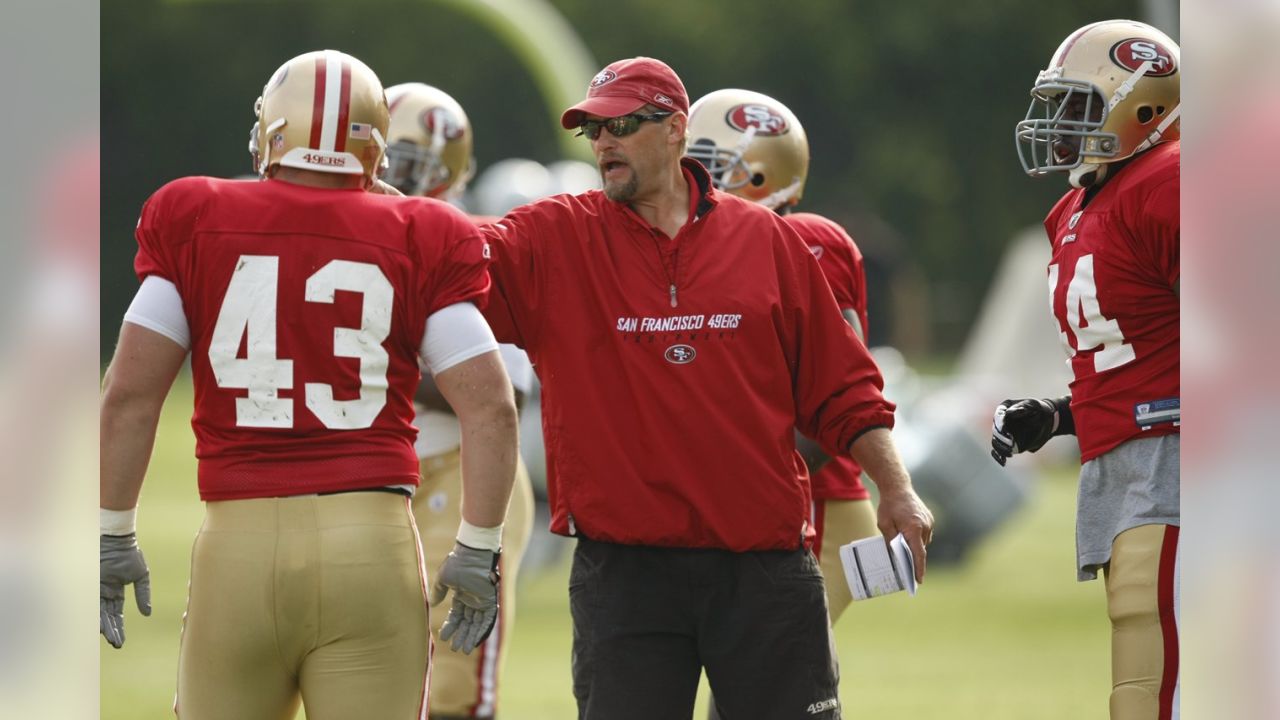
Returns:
(674,369)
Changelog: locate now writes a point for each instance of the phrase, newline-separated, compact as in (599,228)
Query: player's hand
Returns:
(1022,426)
(902,511)
(121,564)
(473,577)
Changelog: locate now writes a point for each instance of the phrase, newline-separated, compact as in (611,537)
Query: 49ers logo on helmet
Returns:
(603,77)
(448,124)
(763,118)
(1130,54)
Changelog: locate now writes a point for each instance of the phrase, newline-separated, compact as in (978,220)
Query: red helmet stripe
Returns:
(317,106)
(344,108)
(1061,56)
(393,99)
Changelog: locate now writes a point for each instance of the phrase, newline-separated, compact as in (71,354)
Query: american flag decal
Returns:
(360,131)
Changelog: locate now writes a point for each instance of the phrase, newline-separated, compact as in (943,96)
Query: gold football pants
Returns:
(840,522)
(466,685)
(1142,601)
(318,599)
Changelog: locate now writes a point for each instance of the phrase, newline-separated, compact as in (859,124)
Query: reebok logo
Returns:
(823,706)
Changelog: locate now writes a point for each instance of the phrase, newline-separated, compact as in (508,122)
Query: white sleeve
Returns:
(518,367)
(158,307)
(454,334)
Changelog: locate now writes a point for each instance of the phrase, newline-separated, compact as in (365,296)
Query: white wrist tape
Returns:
(118,522)
(480,538)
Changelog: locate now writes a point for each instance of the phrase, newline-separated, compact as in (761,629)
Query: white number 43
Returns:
(249,312)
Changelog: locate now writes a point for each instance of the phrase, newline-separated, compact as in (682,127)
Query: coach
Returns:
(680,334)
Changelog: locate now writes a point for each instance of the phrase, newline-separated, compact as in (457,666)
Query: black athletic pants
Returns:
(647,620)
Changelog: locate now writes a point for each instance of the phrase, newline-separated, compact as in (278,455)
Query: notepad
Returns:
(873,569)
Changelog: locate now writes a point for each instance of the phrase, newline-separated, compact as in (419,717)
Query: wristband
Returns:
(480,538)
(1064,423)
(118,522)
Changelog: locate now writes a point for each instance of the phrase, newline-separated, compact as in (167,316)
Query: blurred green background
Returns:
(1009,635)
(909,109)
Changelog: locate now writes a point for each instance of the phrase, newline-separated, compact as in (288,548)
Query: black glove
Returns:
(1026,425)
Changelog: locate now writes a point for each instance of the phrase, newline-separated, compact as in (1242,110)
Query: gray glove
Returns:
(473,576)
(121,564)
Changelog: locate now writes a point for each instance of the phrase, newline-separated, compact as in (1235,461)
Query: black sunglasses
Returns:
(620,126)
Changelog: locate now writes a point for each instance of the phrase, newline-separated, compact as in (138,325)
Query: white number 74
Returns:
(1091,328)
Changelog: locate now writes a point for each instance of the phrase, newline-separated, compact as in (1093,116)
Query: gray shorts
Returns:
(1134,484)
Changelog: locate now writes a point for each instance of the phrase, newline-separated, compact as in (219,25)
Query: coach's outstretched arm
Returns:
(900,510)
(480,393)
(133,393)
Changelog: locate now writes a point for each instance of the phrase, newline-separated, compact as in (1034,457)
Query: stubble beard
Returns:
(622,192)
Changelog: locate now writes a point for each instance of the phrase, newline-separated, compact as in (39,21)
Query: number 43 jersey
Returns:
(1112,290)
(306,308)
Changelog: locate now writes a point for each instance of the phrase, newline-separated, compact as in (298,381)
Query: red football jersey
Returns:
(841,263)
(675,369)
(1111,283)
(307,308)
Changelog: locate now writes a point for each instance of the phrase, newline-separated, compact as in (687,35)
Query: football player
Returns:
(1105,114)
(756,148)
(429,152)
(305,304)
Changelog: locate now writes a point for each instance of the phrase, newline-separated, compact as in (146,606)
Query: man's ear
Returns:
(679,127)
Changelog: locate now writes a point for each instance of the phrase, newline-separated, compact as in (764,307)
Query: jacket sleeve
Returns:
(515,299)
(836,384)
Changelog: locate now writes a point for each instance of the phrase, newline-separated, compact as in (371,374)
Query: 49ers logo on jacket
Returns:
(680,354)
(763,118)
(1130,54)
(443,119)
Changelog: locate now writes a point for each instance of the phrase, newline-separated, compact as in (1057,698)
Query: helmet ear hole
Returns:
(1145,113)
(757,179)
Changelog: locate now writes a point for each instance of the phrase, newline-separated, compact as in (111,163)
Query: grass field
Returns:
(1008,635)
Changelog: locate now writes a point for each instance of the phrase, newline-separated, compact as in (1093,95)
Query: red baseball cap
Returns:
(626,86)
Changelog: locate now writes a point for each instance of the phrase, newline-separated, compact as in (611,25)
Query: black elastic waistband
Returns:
(386,489)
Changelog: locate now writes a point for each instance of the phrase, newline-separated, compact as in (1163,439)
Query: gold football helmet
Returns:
(1110,92)
(322,111)
(429,144)
(753,146)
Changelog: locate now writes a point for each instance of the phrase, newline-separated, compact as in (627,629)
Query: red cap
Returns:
(626,86)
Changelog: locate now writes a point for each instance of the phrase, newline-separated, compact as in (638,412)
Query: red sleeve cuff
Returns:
(855,430)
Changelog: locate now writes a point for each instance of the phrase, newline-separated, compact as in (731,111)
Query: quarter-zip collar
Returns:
(702,200)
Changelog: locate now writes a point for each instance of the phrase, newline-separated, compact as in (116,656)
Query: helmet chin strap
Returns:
(1156,134)
(1086,174)
(739,152)
(782,197)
